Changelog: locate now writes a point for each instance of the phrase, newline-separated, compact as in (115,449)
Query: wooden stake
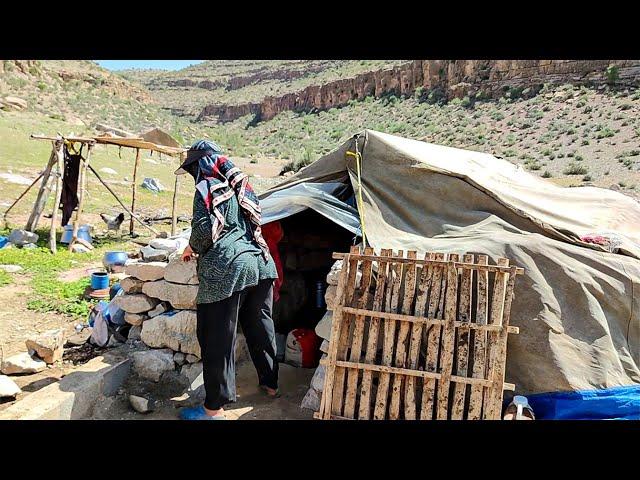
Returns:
(464,316)
(336,324)
(82,183)
(174,212)
(43,193)
(433,340)
(358,332)
(56,204)
(372,340)
(403,334)
(126,209)
(393,291)
(480,342)
(6,212)
(134,189)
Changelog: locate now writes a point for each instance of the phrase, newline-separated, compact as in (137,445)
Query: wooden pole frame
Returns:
(43,193)
(82,181)
(6,212)
(134,190)
(133,215)
(59,147)
(174,213)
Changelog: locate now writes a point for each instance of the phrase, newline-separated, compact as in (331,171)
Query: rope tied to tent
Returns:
(359,202)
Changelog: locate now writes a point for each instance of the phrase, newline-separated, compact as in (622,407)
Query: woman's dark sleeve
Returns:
(200,240)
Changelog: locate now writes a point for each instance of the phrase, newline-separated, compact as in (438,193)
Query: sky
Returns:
(160,64)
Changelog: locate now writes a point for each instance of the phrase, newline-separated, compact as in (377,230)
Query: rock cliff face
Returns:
(455,78)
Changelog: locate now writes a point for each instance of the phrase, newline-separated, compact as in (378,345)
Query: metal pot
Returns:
(84,233)
(112,259)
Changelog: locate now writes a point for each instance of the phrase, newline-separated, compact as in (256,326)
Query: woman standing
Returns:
(236,275)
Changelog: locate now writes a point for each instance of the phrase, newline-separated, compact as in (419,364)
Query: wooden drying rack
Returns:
(442,318)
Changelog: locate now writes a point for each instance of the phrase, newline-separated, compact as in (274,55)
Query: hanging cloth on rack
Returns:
(69,198)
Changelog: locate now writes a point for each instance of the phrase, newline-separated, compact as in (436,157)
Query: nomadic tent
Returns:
(577,305)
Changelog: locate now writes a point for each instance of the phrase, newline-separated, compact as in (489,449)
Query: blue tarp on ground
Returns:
(618,403)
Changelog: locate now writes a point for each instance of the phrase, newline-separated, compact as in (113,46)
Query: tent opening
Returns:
(308,242)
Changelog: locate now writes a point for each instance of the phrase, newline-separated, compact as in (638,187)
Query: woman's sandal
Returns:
(264,388)
(519,409)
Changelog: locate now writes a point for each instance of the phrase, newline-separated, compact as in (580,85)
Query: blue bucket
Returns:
(99,280)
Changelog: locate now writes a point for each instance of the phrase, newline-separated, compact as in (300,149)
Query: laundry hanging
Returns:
(69,197)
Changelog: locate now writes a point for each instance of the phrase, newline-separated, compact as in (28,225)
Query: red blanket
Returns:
(272,233)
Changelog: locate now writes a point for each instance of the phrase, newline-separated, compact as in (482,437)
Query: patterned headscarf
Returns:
(213,164)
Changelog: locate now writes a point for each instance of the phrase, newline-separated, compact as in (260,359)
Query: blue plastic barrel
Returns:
(99,280)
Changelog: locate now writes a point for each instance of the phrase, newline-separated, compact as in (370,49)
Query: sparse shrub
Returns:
(578,158)
(546,174)
(586,178)
(613,74)
(575,169)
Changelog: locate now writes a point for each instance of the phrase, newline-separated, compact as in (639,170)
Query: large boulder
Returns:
(16,103)
(22,363)
(135,319)
(159,310)
(49,346)
(8,387)
(323,328)
(181,272)
(175,330)
(179,296)
(151,364)
(150,254)
(169,245)
(330,297)
(311,400)
(136,303)
(131,285)
(22,237)
(146,271)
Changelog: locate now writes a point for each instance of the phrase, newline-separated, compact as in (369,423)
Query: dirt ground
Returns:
(252,403)
(17,322)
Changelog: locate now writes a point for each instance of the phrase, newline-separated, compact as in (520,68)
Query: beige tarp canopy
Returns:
(577,305)
(141,143)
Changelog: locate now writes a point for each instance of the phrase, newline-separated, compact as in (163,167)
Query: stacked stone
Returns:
(159,300)
(323,329)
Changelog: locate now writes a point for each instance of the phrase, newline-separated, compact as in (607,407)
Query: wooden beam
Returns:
(174,213)
(6,212)
(56,138)
(43,194)
(473,266)
(59,146)
(134,188)
(126,209)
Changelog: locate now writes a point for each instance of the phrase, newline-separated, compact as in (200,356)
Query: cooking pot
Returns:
(84,233)
(112,259)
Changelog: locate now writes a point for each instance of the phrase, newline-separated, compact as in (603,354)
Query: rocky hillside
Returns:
(238,83)
(573,122)
(80,93)
(226,91)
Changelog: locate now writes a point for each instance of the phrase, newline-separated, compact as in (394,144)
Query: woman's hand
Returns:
(188,254)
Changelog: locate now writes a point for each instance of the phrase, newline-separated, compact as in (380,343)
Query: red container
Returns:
(303,348)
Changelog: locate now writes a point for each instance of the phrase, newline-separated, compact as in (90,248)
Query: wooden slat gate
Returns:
(418,338)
